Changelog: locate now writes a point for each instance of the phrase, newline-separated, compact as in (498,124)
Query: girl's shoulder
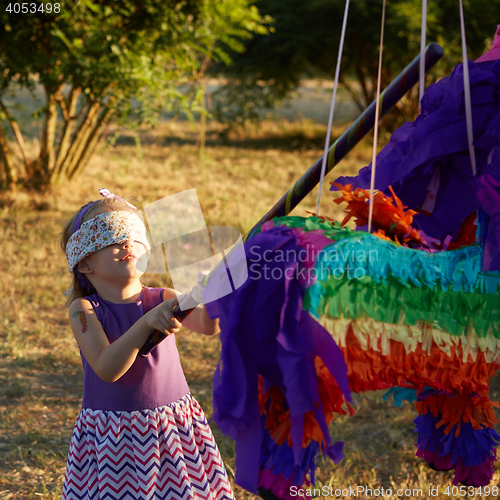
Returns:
(82,303)
(169,293)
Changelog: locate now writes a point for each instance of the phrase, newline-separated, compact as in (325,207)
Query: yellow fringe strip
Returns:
(371,333)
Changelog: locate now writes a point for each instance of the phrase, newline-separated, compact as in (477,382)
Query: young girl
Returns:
(140,433)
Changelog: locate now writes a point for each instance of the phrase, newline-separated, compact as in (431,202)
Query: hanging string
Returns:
(468,106)
(332,106)
(423,33)
(377,114)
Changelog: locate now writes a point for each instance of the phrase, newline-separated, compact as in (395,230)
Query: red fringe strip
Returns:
(278,420)
(371,371)
(392,219)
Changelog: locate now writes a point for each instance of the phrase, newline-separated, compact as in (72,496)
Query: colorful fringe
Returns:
(390,316)
(399,317)
(265,332)
(457,431)
(391,219)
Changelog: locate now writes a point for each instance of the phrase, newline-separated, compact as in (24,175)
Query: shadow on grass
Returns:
(39,401)
(290,141)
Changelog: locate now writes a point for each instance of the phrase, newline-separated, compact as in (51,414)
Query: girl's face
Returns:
(121,260)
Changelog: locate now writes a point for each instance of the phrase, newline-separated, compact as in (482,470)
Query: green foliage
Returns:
(100,54)
(127,45)
(305,38)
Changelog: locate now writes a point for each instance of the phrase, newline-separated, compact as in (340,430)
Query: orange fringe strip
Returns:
(390,217)
(458,408)
(370,370)
(278,420)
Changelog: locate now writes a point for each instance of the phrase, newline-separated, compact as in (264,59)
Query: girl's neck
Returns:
(120,294)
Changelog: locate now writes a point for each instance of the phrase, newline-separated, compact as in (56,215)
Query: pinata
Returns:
(413,307)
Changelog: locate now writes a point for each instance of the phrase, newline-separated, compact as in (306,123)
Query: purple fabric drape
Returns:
(265,331)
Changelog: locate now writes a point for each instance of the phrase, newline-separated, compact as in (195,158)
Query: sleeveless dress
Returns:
(143,436)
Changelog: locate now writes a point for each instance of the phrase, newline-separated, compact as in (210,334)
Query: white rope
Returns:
(332,106)
(377,114)
(468,106)
(423,33)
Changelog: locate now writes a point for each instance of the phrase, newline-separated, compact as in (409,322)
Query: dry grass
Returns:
(40,371)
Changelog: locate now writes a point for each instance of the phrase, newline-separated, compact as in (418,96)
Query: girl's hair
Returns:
(99,207)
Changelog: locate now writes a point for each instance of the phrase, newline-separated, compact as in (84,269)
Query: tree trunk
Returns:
(77,141)
(92,141)
(65,142)
(353,94)
(75,151)
(368,94)
(47,159)
(17,134)
(6,165)
(104,133)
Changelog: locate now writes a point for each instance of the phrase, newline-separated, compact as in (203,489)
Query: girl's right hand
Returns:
(161,318)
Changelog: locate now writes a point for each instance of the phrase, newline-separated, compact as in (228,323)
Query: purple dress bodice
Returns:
(152,381)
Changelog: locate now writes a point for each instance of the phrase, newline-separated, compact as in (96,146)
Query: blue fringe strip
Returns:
(400,394)
(429,436)
(473,446)
(368,255)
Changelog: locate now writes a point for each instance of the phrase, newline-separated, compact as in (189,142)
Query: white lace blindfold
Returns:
(102,231)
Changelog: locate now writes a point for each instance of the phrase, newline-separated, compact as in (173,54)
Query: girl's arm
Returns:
(112,360)
(199,320)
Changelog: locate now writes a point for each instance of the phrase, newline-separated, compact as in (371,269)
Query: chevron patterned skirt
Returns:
(165,453)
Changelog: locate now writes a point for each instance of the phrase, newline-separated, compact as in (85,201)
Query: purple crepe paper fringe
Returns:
(277,472)
(265,331)
(477,475)
(277,484)
(488,195)
(436,144)
(434,458)
(472,453)
(279,460)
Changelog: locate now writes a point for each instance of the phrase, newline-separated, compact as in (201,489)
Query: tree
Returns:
(93,58)
(305,37)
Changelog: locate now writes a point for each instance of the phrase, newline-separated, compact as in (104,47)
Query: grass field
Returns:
(40,370)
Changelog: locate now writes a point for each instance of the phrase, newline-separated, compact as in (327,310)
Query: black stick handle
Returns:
(154,339)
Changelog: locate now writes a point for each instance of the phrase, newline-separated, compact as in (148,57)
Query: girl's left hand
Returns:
(199,320)
(161,318)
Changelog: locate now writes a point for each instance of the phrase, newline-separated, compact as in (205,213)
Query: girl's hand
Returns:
(199,320)
(161,318)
